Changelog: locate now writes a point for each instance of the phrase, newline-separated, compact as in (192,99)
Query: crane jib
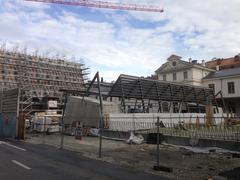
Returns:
(103,4)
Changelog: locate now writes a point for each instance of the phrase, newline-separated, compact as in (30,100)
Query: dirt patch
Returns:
(231,174)
(185,163)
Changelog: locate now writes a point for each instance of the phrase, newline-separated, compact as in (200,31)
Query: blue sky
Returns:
(123,42)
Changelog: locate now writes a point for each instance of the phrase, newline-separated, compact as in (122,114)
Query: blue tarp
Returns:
(8,125)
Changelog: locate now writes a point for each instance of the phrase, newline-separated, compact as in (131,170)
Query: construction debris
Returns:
(45,123)
(135,139)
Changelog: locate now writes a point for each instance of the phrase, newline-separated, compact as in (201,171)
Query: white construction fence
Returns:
(140,121)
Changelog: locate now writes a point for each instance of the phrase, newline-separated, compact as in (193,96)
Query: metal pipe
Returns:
(101,116)
(44,129)
(158,139)
(62,120)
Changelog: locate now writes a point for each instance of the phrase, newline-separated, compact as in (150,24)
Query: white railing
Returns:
(138,121)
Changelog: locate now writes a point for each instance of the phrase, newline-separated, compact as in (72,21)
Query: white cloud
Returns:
(127,50)
(210,28)
(200,30)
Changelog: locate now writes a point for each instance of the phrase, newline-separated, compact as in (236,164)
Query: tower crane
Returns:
(104,4)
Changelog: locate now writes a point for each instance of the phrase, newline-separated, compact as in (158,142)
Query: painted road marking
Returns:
(10,145)
(20,164)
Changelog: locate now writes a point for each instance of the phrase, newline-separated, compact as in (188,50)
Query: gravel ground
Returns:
(186,164)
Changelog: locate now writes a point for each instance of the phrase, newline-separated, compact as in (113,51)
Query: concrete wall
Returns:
(137,121)
(186,141)
(197,75)
(87,110)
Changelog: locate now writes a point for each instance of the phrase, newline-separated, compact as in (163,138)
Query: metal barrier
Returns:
(220,131)
(8,113)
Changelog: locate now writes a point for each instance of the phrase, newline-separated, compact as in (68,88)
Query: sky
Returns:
(116,42)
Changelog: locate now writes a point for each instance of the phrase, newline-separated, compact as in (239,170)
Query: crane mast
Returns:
(103,4)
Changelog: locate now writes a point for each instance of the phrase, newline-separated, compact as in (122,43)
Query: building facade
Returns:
(177,70)
(226,81)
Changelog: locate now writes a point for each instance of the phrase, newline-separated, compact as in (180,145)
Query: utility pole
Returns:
(101,116)
(62,120)
(158,167)
(158,139)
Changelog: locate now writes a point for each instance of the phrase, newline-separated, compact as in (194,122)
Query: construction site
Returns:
(36,81)
(166,128)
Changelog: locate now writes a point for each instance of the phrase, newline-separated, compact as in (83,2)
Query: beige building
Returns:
(177,70)
(228,82)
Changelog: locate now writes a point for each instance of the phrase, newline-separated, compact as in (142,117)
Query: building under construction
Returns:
(39,79)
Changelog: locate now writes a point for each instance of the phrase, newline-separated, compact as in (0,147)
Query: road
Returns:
(23,161)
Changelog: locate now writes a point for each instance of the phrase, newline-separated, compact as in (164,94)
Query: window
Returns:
(231,88)
(174,76)
(164,77)
(212,86)
(174,63)
(185,75)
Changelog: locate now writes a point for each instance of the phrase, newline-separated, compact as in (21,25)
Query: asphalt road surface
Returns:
(23,161)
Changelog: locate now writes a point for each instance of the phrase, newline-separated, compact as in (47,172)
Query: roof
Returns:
(184,65)
(142,88)
(91,100)
(174,56)
(224,63)
(104,86)
(223,73)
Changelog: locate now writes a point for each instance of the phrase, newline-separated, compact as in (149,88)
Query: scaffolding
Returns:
(25,70)
(38,77)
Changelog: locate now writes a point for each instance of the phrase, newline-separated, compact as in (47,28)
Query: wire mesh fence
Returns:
(80,138)
(218,131)
(225,129)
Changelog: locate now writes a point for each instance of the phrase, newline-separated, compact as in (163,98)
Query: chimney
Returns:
(203,63)
(194,61)
(217,67)
(190,60)
(237,58)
